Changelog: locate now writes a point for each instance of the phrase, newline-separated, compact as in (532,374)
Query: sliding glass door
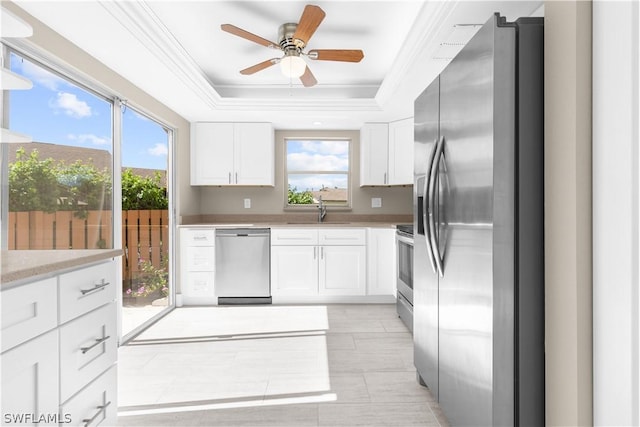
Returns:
(146,286)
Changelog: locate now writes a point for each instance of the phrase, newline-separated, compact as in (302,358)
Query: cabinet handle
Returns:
(314,252)
(229,177)
(96,287)
(385,178)
(322,252)
(101,409)
(236,177)
(98,341)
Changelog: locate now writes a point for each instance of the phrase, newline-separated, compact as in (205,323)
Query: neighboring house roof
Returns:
(69,154)
(330,195)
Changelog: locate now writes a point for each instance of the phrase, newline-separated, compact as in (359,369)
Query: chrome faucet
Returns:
(322,210)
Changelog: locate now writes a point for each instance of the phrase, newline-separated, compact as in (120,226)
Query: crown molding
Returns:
(431,20)
(141,22)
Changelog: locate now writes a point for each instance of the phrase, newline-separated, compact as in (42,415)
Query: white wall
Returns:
(616,223)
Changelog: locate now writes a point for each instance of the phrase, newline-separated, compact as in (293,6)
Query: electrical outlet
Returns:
(247,203)
(376,202)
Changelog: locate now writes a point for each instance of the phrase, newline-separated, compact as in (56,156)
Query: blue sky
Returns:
(56,111)
(317,156)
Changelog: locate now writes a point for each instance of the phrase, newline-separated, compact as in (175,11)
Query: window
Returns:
(317,168)
(60,185)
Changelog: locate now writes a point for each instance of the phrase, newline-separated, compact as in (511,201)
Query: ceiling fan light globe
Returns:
(292,66)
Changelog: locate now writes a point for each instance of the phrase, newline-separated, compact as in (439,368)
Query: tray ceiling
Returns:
(176,51)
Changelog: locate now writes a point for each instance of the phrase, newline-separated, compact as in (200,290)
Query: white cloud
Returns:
(92,139)
(71,105)
(337,148)
(41,76)
(159,150)
(316,162)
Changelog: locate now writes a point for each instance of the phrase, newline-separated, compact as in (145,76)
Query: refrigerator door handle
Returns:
(433,177)
(426,208)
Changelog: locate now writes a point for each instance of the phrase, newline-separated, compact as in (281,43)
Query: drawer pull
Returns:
(98,341)
(101,409)
(97,287)
(199,238)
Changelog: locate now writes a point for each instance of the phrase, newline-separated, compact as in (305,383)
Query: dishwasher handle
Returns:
(235,232)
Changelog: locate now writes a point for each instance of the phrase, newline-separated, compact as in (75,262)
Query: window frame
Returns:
(348,173)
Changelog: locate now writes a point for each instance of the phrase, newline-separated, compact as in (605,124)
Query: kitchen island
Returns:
(59,336)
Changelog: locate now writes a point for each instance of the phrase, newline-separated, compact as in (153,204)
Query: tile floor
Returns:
(316,365)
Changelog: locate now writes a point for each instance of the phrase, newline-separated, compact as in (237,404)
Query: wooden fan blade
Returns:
(232,29)
(261,66)
(336,55)
(311,18)
(307,78)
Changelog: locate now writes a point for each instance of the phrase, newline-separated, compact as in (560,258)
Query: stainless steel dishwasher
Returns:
(243,274)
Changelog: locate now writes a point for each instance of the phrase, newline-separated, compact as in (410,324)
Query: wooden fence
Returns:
(145,234)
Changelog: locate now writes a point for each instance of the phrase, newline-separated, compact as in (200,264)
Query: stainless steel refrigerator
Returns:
(478,224)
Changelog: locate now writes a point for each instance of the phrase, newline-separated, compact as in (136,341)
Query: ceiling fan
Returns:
(292,40)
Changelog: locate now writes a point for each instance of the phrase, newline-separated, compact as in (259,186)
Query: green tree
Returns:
(33,184)
(296,197)
(143,192)
(84,187)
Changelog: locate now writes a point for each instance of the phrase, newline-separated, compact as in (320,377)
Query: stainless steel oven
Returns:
(404,273)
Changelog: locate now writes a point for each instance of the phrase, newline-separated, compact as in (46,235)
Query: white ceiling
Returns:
(176,51)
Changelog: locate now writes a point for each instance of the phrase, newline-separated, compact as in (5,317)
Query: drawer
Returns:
(96,404)
(88,347)
(200,258)
(199,284)
(342,236)
(84,290)
(198,237)
(294,236)
(28,311)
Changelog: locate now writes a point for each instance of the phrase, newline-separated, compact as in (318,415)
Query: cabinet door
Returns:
(30,382)
(254,154)
(381,257)
(342,270)
(212,153)
(294,270)
(374,152)
(401,152)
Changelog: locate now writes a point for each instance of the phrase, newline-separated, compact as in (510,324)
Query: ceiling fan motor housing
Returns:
(286,40)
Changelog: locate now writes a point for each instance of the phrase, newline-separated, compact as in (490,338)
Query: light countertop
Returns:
(26,264)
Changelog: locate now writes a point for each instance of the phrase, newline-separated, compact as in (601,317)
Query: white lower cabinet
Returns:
(67,348)
(342,270)
(294,270)
(197,265)
(381,261)
(30,382)
(302,266)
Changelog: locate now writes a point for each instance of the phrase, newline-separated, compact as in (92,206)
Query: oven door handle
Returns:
(404,239)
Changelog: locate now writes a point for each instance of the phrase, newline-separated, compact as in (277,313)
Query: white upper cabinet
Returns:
(374,152)
(232,154)
(386,153)
(401,152)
